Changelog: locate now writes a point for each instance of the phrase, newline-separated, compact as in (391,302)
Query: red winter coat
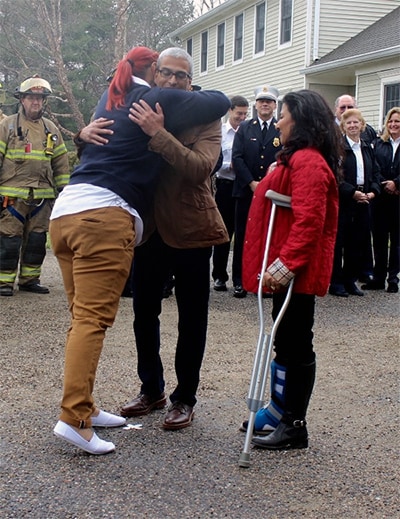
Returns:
(304,236)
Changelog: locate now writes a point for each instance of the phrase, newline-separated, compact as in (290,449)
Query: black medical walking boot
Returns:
(291,432)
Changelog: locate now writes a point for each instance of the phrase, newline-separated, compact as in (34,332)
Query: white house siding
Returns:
(340,20)
(370,89)
(278,66)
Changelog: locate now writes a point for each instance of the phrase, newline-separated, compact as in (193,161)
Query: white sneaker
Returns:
(104,419)
(94,446)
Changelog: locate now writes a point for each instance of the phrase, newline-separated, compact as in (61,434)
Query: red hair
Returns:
(134,63)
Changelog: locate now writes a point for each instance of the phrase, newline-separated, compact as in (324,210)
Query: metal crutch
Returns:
(262,358)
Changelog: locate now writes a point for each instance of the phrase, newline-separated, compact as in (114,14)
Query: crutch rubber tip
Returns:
(244,460)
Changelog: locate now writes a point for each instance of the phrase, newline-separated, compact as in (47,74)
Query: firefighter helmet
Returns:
(33,85)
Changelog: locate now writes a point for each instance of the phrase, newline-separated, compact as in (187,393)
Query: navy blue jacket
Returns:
(125,165)
(390,168)
(348,186)
(252,155)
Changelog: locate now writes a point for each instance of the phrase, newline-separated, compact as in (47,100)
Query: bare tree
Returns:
(75,44)
(202,6)
(52,28)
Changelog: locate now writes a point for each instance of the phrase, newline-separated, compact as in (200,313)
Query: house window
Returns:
(189,46)
(220,44)
(238,46)
(286,21)
(260,28)
(204,51)
(392,96)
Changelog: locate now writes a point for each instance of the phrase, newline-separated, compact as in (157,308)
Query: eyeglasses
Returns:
(180,75)
(345,107)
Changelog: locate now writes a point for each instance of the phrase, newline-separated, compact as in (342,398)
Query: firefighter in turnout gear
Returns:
(33,170)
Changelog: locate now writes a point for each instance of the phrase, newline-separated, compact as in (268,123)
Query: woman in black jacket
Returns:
(386,208)
(359,187)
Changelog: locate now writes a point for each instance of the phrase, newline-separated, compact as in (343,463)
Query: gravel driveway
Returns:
(350,470)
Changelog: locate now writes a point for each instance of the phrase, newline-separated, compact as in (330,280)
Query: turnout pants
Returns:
(23,230)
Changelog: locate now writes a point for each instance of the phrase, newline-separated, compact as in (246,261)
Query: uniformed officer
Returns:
(255,146)
(33,169)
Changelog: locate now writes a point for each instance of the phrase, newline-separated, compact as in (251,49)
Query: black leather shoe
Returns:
(220,286)
(373,284)
(392,288)
(142,405)
(36,288)
(239,292)
(285,436)
(354,290)
(6,291)
(365,278)
(338,291)
(179,415)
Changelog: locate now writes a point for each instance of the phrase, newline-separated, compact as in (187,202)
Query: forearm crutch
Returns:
(262,358)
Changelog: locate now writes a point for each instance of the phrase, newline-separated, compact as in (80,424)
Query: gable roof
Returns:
(381,39)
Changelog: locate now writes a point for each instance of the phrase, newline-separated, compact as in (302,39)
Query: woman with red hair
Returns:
(98,219)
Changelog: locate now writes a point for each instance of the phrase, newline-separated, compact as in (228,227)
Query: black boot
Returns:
(291,433)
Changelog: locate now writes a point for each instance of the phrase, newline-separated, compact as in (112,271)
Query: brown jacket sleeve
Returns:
(185,211)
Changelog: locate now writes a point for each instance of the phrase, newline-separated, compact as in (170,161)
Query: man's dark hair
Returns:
(314,127)
(238,101)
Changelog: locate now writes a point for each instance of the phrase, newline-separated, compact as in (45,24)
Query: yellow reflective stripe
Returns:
(30,271)
(3,146)
(7,278)
(22,192)
(60,150)
(61,180)
(19,154)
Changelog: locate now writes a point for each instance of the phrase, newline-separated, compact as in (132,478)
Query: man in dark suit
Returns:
(255,146)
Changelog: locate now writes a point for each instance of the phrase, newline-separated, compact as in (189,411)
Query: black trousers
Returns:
(153,261)
(386,237)
(226,206)
(353,244)
(293,343)
(241,213)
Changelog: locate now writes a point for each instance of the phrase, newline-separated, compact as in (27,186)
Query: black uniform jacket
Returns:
(390,168)
(348,186)
(252,155)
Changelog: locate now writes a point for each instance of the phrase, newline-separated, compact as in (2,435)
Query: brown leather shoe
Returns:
(179,415)
(143,404)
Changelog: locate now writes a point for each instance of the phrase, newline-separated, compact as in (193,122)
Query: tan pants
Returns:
(94,250)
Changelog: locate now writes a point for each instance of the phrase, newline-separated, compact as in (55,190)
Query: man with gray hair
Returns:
(186,224)
(347,102)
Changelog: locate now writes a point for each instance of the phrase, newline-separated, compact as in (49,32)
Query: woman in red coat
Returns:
(302,247)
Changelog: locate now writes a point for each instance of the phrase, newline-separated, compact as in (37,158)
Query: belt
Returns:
(360,187)
(224,181)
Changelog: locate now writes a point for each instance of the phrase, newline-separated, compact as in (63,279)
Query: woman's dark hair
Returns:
(137,60)
(314,127)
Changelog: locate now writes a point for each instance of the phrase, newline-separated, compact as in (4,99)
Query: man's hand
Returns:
(253,185)
(144,116)
(95,131)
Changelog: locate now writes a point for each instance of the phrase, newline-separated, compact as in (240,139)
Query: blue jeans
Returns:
(154,260)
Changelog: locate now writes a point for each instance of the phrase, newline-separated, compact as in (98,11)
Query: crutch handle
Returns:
(278,198)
